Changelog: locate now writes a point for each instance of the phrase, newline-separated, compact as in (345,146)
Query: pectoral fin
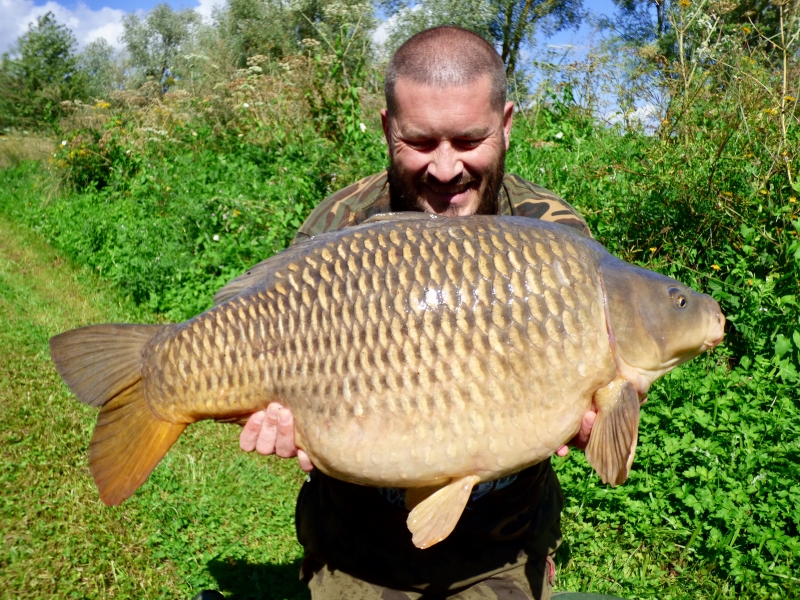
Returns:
(612,443)
(435,517)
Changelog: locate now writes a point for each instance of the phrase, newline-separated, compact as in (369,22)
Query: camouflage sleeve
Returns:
(530,200)
(348,206)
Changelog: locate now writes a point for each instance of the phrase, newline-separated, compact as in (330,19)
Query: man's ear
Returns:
(508,119)
(385,122)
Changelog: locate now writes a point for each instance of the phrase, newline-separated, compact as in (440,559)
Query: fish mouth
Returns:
(717,331)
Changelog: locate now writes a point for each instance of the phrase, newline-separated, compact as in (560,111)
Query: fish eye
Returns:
(677,297)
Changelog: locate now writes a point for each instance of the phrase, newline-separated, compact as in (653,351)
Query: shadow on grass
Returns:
(242,580)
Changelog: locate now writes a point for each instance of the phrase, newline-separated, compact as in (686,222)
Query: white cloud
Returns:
(86,24)
(206,8)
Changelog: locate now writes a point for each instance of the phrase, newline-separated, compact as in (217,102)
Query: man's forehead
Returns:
(450,130)
(463,110)
(405,87)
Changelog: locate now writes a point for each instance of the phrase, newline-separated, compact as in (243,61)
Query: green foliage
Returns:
(98,64)
(243,25)
(641,22)
(334,99)
(39,73)
(169,232)
(508,24)
(154,42)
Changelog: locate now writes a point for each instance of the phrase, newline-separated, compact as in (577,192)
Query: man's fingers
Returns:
(249,435)
(269,431)
(284,445)
(586,426)
(563,451)
(581,440)
(304,462)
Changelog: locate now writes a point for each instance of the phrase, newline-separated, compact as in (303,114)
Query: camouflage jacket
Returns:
(362,531)
(358,202)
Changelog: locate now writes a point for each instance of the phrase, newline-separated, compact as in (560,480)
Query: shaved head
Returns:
(443,57)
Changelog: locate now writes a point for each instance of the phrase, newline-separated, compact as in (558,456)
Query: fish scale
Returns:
(450,325)
(413,351)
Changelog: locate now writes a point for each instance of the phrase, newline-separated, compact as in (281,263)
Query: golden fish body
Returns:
(408,354)
(414,351)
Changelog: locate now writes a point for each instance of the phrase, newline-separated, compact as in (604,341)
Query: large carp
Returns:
(415,352)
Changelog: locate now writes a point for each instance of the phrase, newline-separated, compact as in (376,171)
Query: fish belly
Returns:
(408,353)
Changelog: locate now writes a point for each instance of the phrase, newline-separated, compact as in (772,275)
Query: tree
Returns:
(38,73)
(641,22)
(98,64)
(509,24)
(276,28)
(257,27)
(154,42)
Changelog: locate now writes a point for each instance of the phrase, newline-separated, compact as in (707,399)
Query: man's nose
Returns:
(446,164)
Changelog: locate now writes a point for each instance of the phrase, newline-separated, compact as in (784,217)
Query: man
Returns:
(447,126)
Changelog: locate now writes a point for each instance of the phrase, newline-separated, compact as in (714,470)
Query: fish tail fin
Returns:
(101,365)
(612,443)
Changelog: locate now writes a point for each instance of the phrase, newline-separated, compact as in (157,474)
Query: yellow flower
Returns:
(236,212)
(684,4)
(715,267)
(792,199)
(728,194)
(746,29)
(789,98)
(749,282)
(764,192)
(653,249)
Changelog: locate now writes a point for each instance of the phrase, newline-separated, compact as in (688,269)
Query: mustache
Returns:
(460,182)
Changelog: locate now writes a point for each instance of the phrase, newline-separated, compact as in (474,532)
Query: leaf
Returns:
(796,186)
(782,345)
(796,338)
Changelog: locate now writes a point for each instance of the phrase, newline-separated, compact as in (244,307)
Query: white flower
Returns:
(559,135)
(63,142)
(541,170)
(246,105)
(363,127)
(216,238)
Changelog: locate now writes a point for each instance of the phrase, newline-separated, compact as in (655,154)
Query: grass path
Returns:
(209,517)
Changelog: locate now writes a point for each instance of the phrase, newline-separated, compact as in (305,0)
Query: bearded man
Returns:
(447,126)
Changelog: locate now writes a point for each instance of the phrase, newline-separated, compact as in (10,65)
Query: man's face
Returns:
(446,148)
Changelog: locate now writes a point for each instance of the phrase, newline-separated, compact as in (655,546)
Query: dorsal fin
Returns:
(399,216)
(267,267)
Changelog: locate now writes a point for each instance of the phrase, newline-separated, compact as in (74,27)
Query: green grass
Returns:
(210,516)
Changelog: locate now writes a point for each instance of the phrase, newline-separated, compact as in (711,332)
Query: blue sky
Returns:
(91,19)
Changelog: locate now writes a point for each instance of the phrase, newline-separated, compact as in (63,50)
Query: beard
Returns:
(406,193)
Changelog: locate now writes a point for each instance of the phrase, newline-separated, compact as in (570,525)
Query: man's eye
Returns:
(419,144)
(468,143)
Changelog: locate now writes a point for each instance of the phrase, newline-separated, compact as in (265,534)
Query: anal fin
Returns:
(612,443)
(435,516)
(128,443)
(415,496)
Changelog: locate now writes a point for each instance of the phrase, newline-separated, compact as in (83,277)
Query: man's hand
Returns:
(582,437)
(271,431)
